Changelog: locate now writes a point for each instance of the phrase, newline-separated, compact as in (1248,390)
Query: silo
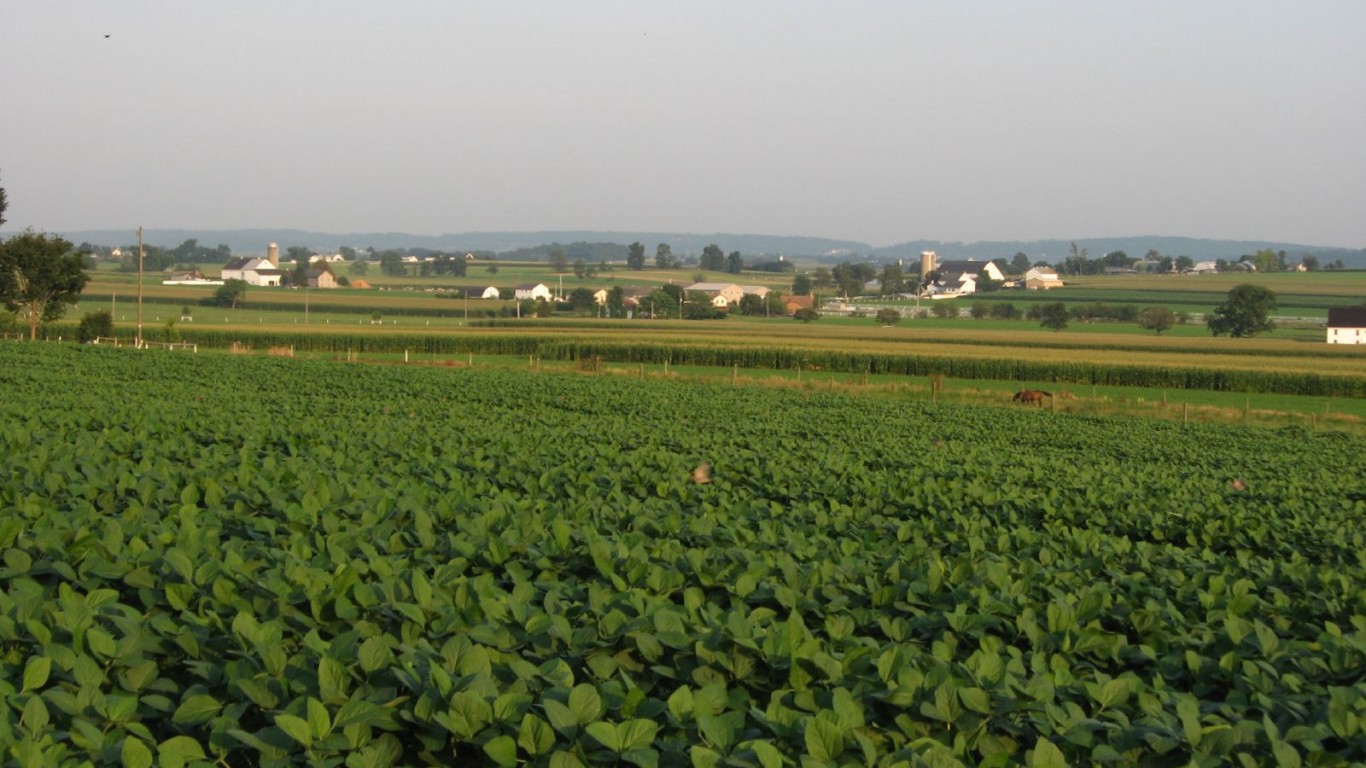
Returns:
(273,254)
(927,265)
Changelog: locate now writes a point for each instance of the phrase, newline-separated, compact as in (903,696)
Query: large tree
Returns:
(664,256)
(230,293)
(4,203)
(635,256)
(1053,316)
(1246,312)
(1156,319)
(39,275)
(583,301)
(713,258)
(391,264)
(893,279)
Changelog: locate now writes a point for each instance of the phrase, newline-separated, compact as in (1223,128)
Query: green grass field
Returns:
(412,309)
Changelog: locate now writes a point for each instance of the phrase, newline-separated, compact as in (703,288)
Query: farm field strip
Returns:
(1348,285)
(442,566)
(1200,406)
(429,335)
(1022,338)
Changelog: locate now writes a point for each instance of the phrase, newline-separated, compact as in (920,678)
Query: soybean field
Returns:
(234,561)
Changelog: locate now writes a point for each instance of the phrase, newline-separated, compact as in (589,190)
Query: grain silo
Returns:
(927,265)
(273,254)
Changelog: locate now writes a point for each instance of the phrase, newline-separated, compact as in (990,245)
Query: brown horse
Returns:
(1031,396)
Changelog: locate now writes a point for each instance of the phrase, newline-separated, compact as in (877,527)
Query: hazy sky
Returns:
(874,121)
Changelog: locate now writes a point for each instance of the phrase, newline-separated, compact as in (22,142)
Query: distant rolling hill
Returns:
(249,241)
(1056,250)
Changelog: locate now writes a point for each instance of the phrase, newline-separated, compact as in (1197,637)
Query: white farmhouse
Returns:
(959,278)
(1042,279)
(532,291)
(1347,325)
(252,271)
(721,294)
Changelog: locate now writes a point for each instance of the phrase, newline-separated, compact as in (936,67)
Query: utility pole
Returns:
(138,343)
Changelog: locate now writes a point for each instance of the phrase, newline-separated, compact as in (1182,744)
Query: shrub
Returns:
(95,325)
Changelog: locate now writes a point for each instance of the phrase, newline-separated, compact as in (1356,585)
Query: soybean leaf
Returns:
(585,704)
(823,739)
(502,750)
(135,754)
(1046,755)
(296,728)
(606,734)
(976,700)
(36,673)
(176,751)
(535,736)
(196,709)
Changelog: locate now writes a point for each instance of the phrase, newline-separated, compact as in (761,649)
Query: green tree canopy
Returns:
(1053,316)
(391,264)
(801,284)
(1156,319)
(893,279)
(40,275)
(1246,312)
(713,258)
(664,257)
(583,301)
(230,293)
(635,256)
(94,325)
